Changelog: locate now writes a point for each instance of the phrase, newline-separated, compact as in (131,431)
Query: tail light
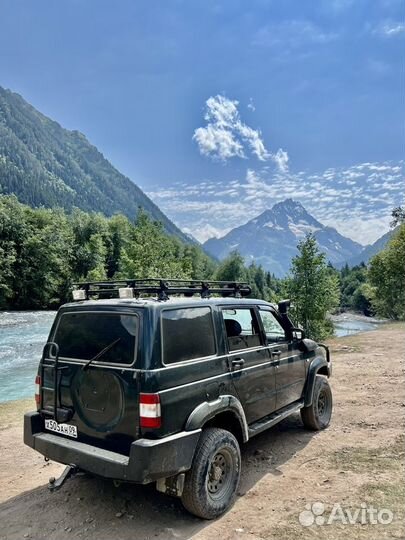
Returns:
(149,411)
(38,391)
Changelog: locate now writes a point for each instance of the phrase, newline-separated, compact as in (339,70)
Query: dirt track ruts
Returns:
(359,459)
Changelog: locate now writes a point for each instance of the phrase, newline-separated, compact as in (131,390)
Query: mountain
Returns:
(271,238)
(371,250)
(44,164)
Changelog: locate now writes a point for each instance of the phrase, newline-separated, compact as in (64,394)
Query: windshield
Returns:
(83,335)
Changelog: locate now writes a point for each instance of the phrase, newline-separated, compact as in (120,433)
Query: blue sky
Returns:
(252,100)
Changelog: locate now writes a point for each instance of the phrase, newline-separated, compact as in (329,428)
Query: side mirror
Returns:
(297,334)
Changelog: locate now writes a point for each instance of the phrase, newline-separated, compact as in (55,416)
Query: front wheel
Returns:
(211,484)
(317,415)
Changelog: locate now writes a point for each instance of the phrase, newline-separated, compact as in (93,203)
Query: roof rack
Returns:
(134,288)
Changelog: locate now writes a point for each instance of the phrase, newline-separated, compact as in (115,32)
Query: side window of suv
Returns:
(272,328)
(187,333)
(241,328)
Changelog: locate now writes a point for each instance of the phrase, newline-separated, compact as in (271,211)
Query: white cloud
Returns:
(253,139)
(203,231)
(366,230)
(281,160)
(393,29)
(389,29)
(218,142)
(225,135)
(222,111)
(251,105)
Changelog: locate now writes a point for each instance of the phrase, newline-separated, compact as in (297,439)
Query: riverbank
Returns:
(357,461)
(349,323)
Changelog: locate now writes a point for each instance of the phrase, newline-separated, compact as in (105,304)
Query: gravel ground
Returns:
(358,462)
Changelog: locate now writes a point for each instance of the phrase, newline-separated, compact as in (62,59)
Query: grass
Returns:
(384,494)
(390,496)
(377,495)
(363,459)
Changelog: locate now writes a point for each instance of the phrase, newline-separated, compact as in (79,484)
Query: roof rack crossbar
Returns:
(163,288)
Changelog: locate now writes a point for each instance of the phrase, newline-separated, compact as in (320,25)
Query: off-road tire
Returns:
(209,492)
(317,416)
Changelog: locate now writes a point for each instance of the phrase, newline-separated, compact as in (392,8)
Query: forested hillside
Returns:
(46,165)
(42,251)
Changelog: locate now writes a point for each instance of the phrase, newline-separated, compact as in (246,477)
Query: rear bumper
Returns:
(148,460)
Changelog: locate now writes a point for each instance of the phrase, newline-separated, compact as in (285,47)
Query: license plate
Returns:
(64,429)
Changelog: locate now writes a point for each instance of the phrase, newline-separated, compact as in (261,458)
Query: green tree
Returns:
(398,216)
(232,268)
(117,241)
(313,288)
(354,294)
(152,253)
(387,277)
(362,299)
(263,285)
(41,270)
(12,229)
(202,266)
(90,235)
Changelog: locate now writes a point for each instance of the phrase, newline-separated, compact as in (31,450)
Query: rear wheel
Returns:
(211,484)
(318,415)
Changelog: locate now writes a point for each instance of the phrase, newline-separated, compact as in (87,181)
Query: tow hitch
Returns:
(56,483)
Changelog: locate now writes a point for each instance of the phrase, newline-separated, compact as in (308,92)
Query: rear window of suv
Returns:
(84,335)
(187,334)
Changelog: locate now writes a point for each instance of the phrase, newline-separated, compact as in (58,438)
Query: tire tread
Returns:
(195,479)
(308,414)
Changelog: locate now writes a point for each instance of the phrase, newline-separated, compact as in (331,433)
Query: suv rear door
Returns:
(95,386)
(287,358)
(249,361)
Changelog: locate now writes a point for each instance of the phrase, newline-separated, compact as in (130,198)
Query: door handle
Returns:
(237,363)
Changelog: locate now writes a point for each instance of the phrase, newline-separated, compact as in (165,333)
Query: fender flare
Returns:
(316,364)
(209,409)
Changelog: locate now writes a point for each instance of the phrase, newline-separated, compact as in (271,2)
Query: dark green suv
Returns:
(143,381)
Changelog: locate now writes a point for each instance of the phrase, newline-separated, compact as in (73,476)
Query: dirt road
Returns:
(357,463)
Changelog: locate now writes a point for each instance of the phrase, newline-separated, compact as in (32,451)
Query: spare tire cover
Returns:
(98,398)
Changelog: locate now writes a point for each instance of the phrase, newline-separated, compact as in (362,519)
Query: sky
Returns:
(219,109)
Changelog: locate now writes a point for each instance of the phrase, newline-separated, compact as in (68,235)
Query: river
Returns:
(23,335)
(347,324)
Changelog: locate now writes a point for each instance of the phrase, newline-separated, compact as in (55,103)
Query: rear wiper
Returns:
(103,351)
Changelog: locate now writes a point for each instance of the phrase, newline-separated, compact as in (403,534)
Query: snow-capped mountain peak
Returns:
(271,238)
(290,215)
